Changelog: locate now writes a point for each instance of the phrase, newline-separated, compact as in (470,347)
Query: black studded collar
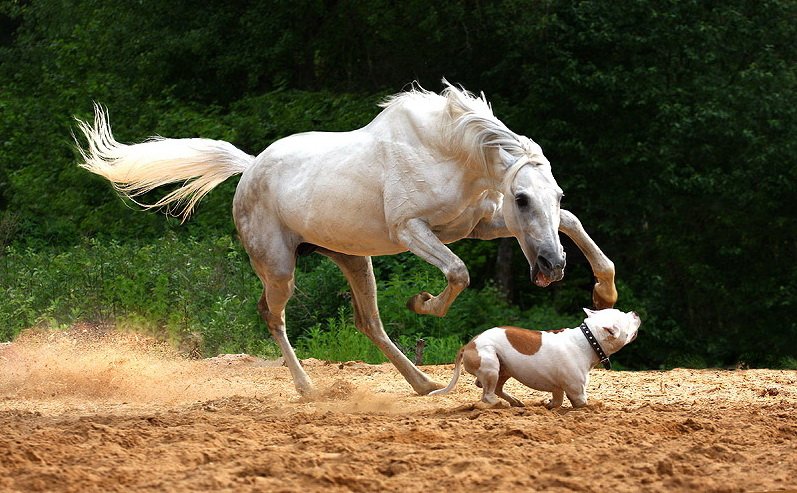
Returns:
(604,359)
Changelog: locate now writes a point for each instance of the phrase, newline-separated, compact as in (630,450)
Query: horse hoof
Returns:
(417,303)
(428,387)
(306,390)
(603,296)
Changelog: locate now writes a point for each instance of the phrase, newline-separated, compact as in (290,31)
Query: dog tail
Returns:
(457,370)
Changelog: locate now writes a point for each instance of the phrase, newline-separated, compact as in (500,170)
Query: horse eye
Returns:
(521,200)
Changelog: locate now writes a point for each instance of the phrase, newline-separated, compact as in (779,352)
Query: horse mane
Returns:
(470,129)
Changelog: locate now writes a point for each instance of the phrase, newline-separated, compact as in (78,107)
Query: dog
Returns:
(556,361)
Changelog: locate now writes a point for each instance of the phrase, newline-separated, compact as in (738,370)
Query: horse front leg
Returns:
(420,240)
(604,293)
(360,273)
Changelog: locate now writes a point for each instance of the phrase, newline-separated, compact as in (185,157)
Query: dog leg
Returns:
(489,399)
(513,401)
(499,391)
(577,396)
(488,374)
(556,399)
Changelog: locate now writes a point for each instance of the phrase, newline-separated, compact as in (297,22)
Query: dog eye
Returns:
(522,200)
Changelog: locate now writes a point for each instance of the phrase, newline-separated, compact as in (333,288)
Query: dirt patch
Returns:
(100,411)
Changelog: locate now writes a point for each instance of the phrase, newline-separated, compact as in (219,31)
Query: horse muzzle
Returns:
(548,269)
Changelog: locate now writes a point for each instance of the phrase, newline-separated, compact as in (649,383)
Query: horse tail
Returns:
(457,370)
(200,164)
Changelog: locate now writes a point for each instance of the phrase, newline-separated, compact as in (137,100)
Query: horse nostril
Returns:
(544,264)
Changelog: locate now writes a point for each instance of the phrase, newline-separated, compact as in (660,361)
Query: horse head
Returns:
(531,211)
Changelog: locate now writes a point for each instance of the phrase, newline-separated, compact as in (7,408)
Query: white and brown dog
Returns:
(555,361)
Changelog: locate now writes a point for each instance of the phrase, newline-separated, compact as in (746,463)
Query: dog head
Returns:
(612,328)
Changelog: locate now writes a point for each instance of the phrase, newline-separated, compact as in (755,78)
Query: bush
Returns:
(185,288)
(174,287)
(338,341)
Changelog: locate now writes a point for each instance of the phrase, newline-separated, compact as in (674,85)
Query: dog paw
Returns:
(549,404)
(513,401)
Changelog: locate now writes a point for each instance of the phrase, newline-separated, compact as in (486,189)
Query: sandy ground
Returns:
(85,411)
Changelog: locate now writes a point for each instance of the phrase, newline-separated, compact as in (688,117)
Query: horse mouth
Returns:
(543,276)
(541,280)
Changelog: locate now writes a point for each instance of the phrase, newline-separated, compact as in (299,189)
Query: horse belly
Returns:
(348,231)
(324,188)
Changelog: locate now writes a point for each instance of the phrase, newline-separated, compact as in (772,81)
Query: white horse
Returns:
(428,170)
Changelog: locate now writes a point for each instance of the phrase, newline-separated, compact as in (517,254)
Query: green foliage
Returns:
(339,340)
(175,287)
(179,287)
(438,350)
(671,129)
(670,125)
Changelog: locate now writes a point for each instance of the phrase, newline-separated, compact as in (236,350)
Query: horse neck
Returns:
(495,174)
(403,120)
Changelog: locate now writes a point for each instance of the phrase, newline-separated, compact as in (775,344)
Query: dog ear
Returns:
(612,331)
(589,312)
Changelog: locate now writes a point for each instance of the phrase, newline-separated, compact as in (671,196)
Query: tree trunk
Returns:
(503,266)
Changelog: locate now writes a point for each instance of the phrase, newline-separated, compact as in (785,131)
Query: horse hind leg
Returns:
(277,290)
(359,273)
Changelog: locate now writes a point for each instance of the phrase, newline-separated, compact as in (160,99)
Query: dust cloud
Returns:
(95,363)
